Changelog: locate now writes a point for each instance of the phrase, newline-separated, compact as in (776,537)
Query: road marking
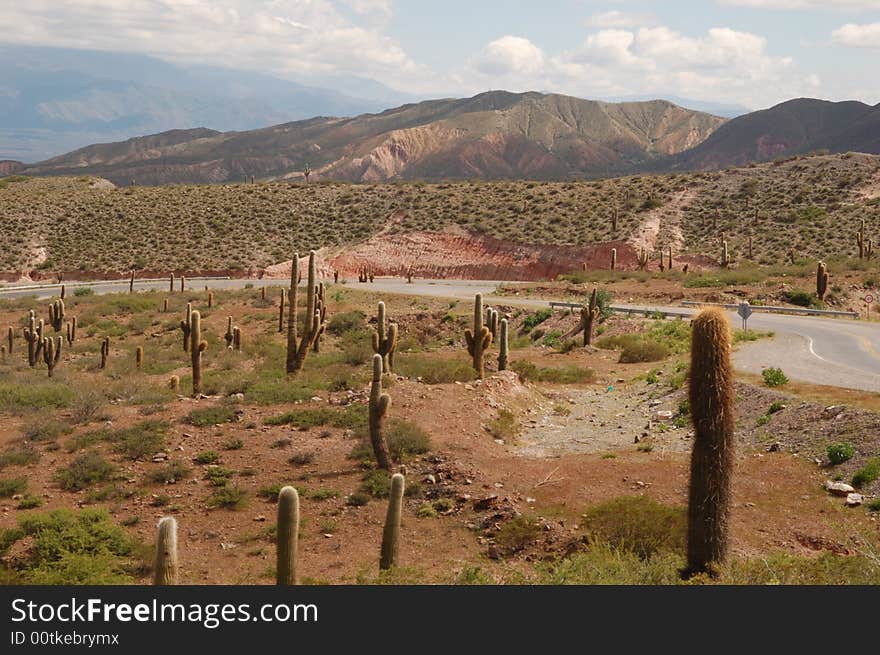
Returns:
(813,352)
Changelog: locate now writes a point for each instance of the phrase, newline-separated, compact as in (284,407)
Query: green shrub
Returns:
(170,473)
(207,457)
(11,486)
(81,292)
(802,298)
(207,416)
(838,453)
(535,319)
(562,375)
(405,438)
(227,497)
(774,377)
(141,440)
(638,524)
(868,473)
(432,370)
(518,533)
(776,407)
(505,427)
(84,471)
(19,456)
(339,324)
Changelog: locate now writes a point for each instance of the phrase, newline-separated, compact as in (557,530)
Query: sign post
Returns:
(869,300)
(744,311)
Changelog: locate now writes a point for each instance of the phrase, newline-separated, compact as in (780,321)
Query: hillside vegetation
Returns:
(814,205)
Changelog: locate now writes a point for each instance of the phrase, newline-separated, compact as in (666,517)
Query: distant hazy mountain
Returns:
(791,128)
(55,100)
(714,108)
(492,135)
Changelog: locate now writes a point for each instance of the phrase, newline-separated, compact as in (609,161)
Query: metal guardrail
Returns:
(646,311)
(75,283)
(775,310)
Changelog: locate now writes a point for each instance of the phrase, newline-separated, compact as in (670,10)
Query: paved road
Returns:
(836,352)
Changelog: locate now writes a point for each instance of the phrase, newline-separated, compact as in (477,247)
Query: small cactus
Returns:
(860,240)
(613,259)
(10,339)
(131,282)
(186,326)
(614,218)
(236,338)
(210,299)
(287,537)
(52,352)
(229,337)
(139,357)
(165,306)
(391,533)
(71,331)
(385,339)
(669,251)
(281,314)
(63,292)
(478,340)
(503,347)
(105,351)
(642,259)
(165,566)
(182,283)
(197,347)
(725,255)
(379,404)
(171,283)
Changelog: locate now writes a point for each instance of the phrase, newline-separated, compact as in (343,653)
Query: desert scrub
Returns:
(774,377)
(227,497)
(838,453)
(19,456)
(505,426)
(571,374)
(433,370)
(12,486)
(84,471)
(207,457)
(206,416)
(69,548)
(404,440)
(635,348)
(136,442)
(352,417)
(22,394)
(868,473)
(170,473)
(637,524)
(517,534)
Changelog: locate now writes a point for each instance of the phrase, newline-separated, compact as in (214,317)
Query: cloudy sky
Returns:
(749,52)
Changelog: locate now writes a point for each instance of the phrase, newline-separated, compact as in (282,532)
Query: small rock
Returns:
(483,504)
(833,411)
(259,518)
(228,546)
(774,447)
(838,488)
(160,457)
(854,500)
(663,415)
(430,479)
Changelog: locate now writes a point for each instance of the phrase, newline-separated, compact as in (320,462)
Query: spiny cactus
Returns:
(139,357)
(165,566)
(750,247)
(281,314)
(287,537)
(56,315)
(298,347)
(478,340)
(165,306)
(869,249)
(711,402)
(391,533)
(385,339)
(642,259)
(379,404)
(33,335)
(589,315)
(52,352)
(196,346)
(503,347)
(725,255)
(321,311)
(229,337)
(71,331)
(210,299)
(105,351)
(171,283)
(263,293)
(63,292)
(860,240)
(669,250)
(613,259)
(236,338)
(492,322)
(131,282)
(182,283)
(186,326)
(614,218)
(821,281)
(10,339)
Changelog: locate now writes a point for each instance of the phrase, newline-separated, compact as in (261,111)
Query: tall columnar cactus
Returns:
(725,255)
(385,339)
(186,326)
(821,281)
(614,259)
(52,352)
(670,257)
(298,347)
(750,247)
(196,346)
(105,352)
(131,282)
(182,283)
(321,311)
(379,404)
(165,565)
(614,218)
(139,357)
(869,249)
(391,533)
(492,322)
(236,338)
(503,347)
(281,314)
(287,537)
(711,402)
(478,340)
(229,337)
(171,283)
(165,306)
(56,315)
(210,299)
(71,331)
(642,259)
(63,292)
(33,337)
(589,315)
(10,339)
(860,240)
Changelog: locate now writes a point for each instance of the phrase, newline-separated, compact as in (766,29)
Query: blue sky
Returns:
(750,52)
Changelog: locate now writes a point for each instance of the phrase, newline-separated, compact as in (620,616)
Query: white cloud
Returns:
(282,37)
(618,19)
(722,64)
(858,36)
(806,4)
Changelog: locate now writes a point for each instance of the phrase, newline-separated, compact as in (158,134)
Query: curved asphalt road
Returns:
(835,352)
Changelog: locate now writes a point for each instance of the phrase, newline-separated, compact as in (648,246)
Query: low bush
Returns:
(838,453)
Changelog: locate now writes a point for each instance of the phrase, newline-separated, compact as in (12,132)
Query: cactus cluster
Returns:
(71,331)
(56,315)
(298,346)
(479,339)
(866,246)
(33,335)
(385,339)
(711,403)
(105,352)
(642,258)
(379,404)
(492,322)
(51,349)
(589,316)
